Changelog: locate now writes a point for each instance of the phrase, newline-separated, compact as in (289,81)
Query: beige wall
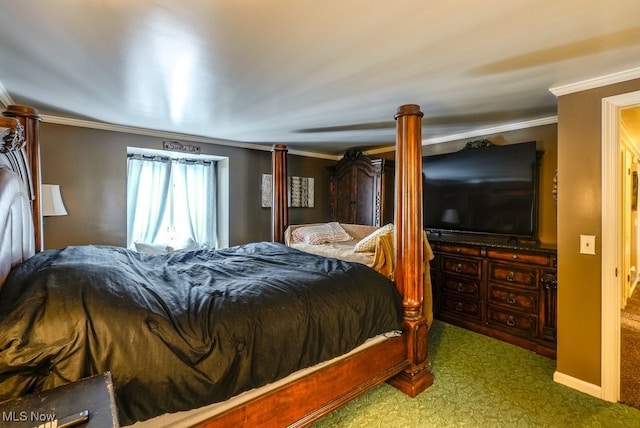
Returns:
(579,212)
(90,167)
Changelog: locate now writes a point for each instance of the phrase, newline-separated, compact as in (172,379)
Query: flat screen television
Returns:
(488,190)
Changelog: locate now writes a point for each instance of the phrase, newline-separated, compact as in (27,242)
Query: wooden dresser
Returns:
(361,190)
(506,291)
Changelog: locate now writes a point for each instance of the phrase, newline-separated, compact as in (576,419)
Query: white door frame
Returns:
(611,243)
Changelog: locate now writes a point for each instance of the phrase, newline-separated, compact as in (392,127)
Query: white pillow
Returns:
(368,243)
(187,245)
(145,248)
(321,234)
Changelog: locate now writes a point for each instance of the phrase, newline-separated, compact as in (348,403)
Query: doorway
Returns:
(629,297)
(612,242)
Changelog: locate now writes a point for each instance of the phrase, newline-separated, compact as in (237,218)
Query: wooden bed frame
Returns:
(401,361)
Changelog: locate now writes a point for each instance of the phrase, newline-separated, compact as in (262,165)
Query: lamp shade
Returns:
(450,215)
(52,201)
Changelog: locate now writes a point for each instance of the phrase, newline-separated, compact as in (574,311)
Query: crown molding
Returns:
(493,130)
(81,123)
(596,82)
(207,140)
(5,98)
(476,133)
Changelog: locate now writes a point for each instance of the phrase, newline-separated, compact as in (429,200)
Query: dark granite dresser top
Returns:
(505,242)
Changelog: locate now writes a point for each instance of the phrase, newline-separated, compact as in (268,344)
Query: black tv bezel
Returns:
(510,238)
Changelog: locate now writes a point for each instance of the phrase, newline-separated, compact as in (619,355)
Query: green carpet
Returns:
(630,352)
(482,382)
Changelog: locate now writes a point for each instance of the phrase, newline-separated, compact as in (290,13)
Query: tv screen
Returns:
(490,190)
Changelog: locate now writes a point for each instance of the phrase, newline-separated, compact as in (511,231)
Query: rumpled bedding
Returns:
(182,330)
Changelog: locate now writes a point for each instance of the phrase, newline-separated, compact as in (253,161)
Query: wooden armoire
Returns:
(361,190)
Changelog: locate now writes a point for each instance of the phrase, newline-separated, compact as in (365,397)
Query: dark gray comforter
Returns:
(182,330)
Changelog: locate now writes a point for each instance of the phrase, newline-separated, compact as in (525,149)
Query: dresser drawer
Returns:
(515,323)
(460,266)
(513,274)
(523,300)
(460,249)
(520,256)
(504,289)
(464,307)
(463,286)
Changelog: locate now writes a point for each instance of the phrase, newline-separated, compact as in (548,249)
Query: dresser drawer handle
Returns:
(511,276)
(511,299)
(459,307)
(460,287)
(515,256)
(549,281)
(511,322)
(459,267)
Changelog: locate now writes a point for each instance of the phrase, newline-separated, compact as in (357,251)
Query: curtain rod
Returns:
(168,159)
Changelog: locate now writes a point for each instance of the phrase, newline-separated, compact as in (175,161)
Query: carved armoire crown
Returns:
(361,190)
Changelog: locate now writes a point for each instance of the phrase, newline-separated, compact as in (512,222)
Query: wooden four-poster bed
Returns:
(399,359)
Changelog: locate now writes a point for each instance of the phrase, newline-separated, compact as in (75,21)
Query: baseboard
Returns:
(577,384)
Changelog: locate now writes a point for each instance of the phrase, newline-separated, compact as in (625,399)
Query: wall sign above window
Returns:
(177,146)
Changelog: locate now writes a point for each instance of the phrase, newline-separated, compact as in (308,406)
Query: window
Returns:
(172,201)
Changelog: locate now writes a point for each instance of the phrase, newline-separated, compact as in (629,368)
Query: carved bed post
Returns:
(279,202)
(30,121)
(409,248)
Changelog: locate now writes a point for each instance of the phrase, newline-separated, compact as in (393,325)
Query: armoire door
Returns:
(365,195)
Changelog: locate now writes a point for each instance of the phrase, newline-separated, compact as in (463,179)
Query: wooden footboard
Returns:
(307,399)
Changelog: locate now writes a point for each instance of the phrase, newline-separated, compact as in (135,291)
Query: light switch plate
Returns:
(587,244)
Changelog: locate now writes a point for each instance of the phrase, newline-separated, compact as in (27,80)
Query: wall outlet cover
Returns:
(587,244)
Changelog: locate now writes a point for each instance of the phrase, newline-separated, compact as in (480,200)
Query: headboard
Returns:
(17,193)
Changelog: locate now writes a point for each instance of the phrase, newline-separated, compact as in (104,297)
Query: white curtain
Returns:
(194,207)
(171,202)
(147,196)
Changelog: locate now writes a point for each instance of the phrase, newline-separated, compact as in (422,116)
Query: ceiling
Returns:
(319,76)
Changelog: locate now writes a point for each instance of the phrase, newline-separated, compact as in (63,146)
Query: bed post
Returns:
(279,202)
(30,121)
(409,248)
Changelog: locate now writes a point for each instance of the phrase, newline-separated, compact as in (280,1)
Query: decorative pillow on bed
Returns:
(368,243)
(321,234)
(186,245)
(145,248)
